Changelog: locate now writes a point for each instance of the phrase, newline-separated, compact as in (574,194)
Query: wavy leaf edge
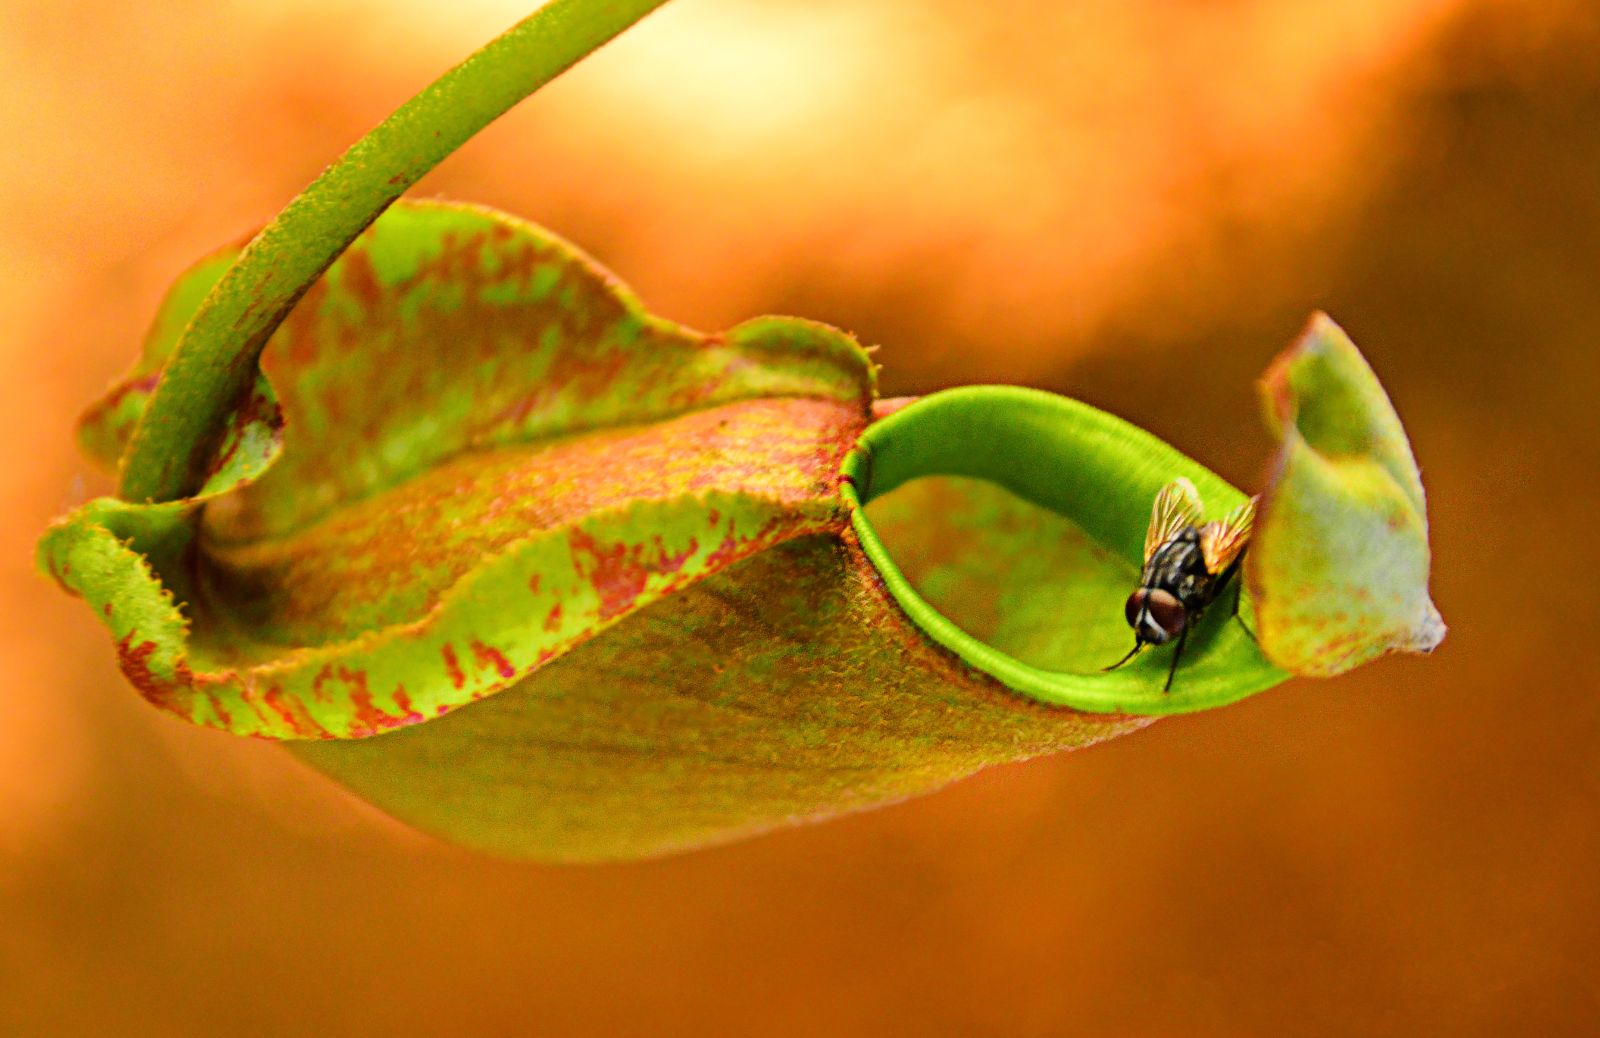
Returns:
(125,558)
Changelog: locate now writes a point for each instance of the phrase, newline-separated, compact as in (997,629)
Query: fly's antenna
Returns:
(1131,654)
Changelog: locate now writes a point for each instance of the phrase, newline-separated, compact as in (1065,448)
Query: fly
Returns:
(1187,564)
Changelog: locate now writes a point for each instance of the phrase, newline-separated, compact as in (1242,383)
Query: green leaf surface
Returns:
(1340,560)
(214,362)
(784,689)
(1049,499)
(471,450)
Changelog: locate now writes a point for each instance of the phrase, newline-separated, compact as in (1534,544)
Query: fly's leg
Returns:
(1238,589)
(1176,653)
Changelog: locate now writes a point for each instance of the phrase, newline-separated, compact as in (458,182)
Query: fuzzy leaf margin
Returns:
(445,338)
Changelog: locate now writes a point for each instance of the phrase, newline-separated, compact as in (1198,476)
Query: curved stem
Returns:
(215,361)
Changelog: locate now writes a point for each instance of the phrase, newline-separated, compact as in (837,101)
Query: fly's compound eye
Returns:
(1166,615)
(1134,607)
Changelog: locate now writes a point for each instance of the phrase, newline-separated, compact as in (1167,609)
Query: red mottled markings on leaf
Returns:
(140,385)
(257,409)
(669,563)
(396,397)
(225,718)
(319,690)
(733,547)
(615,579)
(440,339)
(361,277)
(332,400)
(250,699)
(175,694)
(585,375)
(620,572)
(724,552)
(107,405)
(135,660)
(408,713)
(135,663)
(297,336)
(492,657)
(453,665)
(459,260)
(368,717)
(294,713)
(336,579)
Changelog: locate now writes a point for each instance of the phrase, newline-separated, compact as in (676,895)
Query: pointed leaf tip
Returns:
(1340,560)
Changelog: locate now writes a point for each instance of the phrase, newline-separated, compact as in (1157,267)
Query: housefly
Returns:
(1187,564)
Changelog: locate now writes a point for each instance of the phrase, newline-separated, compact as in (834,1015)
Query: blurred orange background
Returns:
(1135,202)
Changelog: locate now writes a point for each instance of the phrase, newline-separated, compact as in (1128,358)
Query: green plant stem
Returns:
(215,361)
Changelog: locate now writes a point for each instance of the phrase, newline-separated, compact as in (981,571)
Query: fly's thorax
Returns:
(1178,567)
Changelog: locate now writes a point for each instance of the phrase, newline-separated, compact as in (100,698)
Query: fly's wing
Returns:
(1222,540)
(1177,506)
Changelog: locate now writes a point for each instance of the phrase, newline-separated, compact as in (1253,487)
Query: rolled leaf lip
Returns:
(1063,455)
(751,425)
